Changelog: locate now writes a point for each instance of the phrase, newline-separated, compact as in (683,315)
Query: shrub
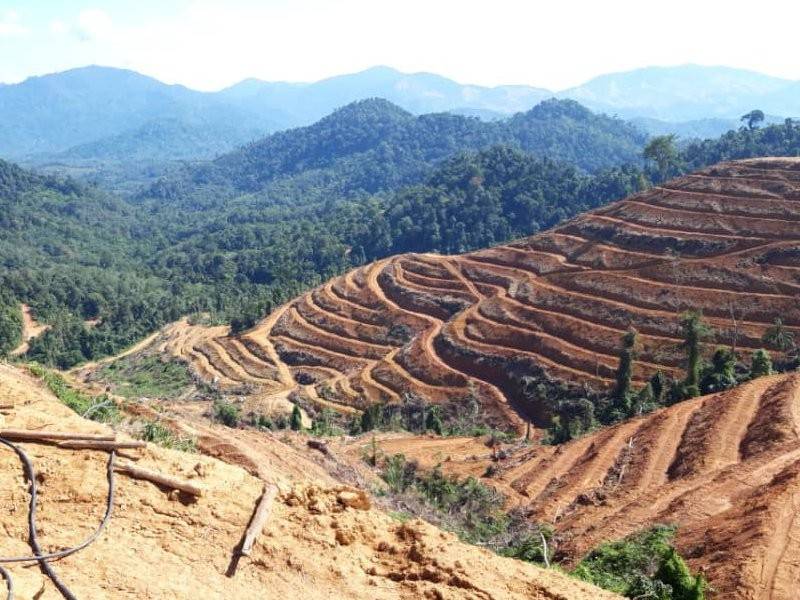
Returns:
(644,565)
(296,421)
(227,413)
(761,365)
(155,432)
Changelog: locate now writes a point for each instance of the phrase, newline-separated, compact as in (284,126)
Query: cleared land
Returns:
(158,546)
(725,240)
(724,468)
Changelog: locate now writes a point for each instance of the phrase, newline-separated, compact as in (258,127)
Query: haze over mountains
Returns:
(103,113)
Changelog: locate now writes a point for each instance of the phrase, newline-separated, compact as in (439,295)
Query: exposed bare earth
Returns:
(30,329)
(725,241)
(725,468)
(318,543)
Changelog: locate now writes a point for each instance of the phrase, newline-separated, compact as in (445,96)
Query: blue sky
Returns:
(557,43)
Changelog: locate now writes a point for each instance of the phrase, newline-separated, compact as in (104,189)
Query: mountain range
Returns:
(101,113)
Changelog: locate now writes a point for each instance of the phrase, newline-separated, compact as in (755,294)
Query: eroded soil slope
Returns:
(725,240)
(725,468)
(316,545)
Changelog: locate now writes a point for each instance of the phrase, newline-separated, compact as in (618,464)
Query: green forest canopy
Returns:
(236,248)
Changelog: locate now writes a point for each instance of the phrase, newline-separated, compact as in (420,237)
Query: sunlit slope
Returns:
(725,240)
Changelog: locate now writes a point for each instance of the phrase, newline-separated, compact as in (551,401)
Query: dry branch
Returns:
(159,478)
(41,434)
(319,445)
(100,444)
(259,518)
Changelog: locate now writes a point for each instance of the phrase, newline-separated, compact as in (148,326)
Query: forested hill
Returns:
(75,253)
(372,146)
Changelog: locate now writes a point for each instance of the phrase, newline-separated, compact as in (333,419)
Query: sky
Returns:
(554,44)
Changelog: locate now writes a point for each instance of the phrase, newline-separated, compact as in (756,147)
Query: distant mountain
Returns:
(100,112)
(418,93)
(687,92)
(697,129)
(50,114)
(373,145)
(164,139)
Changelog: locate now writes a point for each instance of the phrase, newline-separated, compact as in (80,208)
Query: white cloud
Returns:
(11,26)
(94,24)
(58,27)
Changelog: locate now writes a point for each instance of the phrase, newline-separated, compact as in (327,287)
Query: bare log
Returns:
(319,445)
(100,445)
(43,434)
(159,478)
(260,517)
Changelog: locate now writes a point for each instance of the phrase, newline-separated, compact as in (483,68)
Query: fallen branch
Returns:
(319,445)
(44,435)
(7,406)
(259,518)
(160,479)
(100,445)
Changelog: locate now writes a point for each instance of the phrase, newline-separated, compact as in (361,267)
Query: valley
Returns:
(386,335)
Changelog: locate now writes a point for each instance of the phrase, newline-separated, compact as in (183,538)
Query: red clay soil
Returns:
(724,468)
(323,540)
(723,240)
(31,328)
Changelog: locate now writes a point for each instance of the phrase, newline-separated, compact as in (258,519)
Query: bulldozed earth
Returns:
(724,241)
(725,468)
(322,540)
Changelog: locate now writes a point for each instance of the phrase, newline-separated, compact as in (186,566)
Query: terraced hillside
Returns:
(725,240)
(724,468)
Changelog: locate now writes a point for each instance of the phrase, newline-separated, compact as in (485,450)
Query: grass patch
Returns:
(466,507)
(147,376)
(159,434)
(97,408)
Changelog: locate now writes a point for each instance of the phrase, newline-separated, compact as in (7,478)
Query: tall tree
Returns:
(694,331)
(753,118)
(663,151)
(627,354)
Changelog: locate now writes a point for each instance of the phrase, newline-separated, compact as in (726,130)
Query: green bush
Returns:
(644,565)
(227,413)
(155,432)
(761,364)
(296,420)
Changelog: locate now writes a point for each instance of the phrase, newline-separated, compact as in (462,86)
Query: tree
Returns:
(780,337)
(10,328)
(663,152)
(761,364)
(296,422)
(694,331)
(722,372)
(753,118)
(622,391)
(433,420)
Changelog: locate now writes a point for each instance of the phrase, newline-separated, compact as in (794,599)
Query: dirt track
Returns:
(30,329)
(722,241)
